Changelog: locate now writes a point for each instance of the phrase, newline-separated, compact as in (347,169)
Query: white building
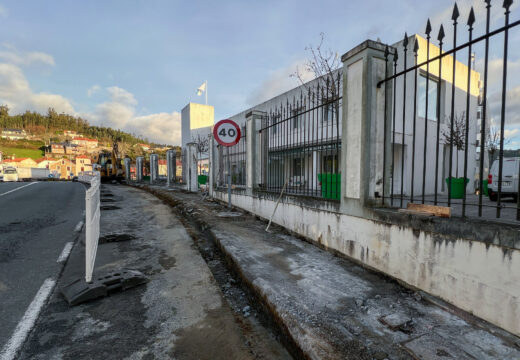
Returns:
(309,132)
(197,122)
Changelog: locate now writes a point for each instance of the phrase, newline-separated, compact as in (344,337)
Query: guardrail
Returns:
(92,219)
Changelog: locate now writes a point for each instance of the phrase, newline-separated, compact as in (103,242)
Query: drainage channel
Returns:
(265,337)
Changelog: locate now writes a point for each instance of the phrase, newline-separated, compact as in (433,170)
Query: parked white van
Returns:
(510,179)
(10,174)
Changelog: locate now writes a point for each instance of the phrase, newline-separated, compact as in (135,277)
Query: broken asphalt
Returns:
(327,307)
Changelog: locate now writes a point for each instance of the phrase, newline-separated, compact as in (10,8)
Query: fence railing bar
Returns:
(393,130)
(503,111)
(428,30)
(449,52)
(403,133)
(416,49)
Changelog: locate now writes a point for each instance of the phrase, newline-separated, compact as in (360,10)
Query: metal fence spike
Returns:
(507,4)
(428,28)
(455,14)
(471,18)
(405,41)
(441,34)
(395,56)
(387,52)
(416,47)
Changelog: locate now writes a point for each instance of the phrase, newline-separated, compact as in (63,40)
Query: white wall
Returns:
(477,277)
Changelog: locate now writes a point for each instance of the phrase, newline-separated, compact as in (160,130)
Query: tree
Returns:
(492,143)
(458,138)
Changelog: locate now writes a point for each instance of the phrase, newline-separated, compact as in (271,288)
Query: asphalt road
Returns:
(36,221)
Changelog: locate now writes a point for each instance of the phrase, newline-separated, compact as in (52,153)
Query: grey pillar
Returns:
(154,168)
(171,164)
(212,164)
(127,169)
(254,157)
(362,127)
(139,168)
(191,167)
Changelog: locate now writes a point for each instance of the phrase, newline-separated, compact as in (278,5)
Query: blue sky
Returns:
(135,64)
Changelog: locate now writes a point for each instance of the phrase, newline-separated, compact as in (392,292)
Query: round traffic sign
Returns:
(226,132)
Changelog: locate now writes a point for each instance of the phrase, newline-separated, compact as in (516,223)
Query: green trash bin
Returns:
(485,187)
(203,179)
(330,185)
(458,187)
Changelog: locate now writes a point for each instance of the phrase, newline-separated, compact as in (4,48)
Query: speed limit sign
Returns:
(226,132)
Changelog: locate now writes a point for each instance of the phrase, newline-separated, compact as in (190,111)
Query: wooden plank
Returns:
(442,211)
(420,213)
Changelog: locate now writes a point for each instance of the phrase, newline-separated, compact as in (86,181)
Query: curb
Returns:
(289,341)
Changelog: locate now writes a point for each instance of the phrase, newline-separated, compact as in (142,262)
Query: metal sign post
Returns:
(227,133)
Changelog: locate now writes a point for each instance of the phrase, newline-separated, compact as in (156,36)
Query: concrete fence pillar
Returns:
(212,165)
(139,168)
(253,150)
(191,166)
(127,162)
(362,127)
(154,168)
(171,165)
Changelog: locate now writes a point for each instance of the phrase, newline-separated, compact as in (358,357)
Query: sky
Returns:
(134,65)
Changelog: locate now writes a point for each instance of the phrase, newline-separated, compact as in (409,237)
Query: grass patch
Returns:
(22,152)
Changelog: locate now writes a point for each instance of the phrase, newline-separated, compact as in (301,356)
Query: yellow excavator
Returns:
(110,164)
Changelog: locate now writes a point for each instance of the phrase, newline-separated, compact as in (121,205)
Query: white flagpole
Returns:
(206,91)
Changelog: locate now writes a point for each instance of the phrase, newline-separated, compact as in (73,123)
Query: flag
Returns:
(201,89)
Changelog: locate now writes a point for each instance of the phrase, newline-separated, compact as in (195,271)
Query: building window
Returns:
(297,167)
(328,113)
(275,124)
(330,164)
(297,118)
(432,98)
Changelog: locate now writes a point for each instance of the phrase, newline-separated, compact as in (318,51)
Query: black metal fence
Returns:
(233,158)
(440,117)
(301,143)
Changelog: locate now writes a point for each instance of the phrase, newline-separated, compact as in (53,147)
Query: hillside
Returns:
(51,125)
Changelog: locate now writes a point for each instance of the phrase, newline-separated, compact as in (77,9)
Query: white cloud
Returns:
(118,94)
(495,68)
(16,92)
(280,81)
(11,55)
(512,115)
(508,134)
(93,89)
(120,113)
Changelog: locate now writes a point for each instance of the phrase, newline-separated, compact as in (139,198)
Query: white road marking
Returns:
(79,226)
(25,325)
(65,252)
(18,188)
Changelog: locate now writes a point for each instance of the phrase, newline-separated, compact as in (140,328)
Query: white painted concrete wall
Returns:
(479,278)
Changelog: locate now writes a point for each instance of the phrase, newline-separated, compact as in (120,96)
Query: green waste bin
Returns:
(330,185)
(203,179)
(485,187)
(458,187)
(146,178)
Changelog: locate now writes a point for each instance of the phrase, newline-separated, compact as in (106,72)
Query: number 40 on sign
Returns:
(226,132)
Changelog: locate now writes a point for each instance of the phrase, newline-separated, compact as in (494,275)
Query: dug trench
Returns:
(248,306)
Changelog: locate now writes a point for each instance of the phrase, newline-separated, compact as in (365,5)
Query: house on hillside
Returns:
(82,163)
(163,167)
(62,169)
(20,162)
(70,133)
(44,163)
(14,134)
(57,148)
(88,144)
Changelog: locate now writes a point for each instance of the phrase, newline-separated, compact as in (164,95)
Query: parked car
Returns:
(10,174)
(510,178)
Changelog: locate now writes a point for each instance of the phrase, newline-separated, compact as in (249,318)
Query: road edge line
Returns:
(24,327)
